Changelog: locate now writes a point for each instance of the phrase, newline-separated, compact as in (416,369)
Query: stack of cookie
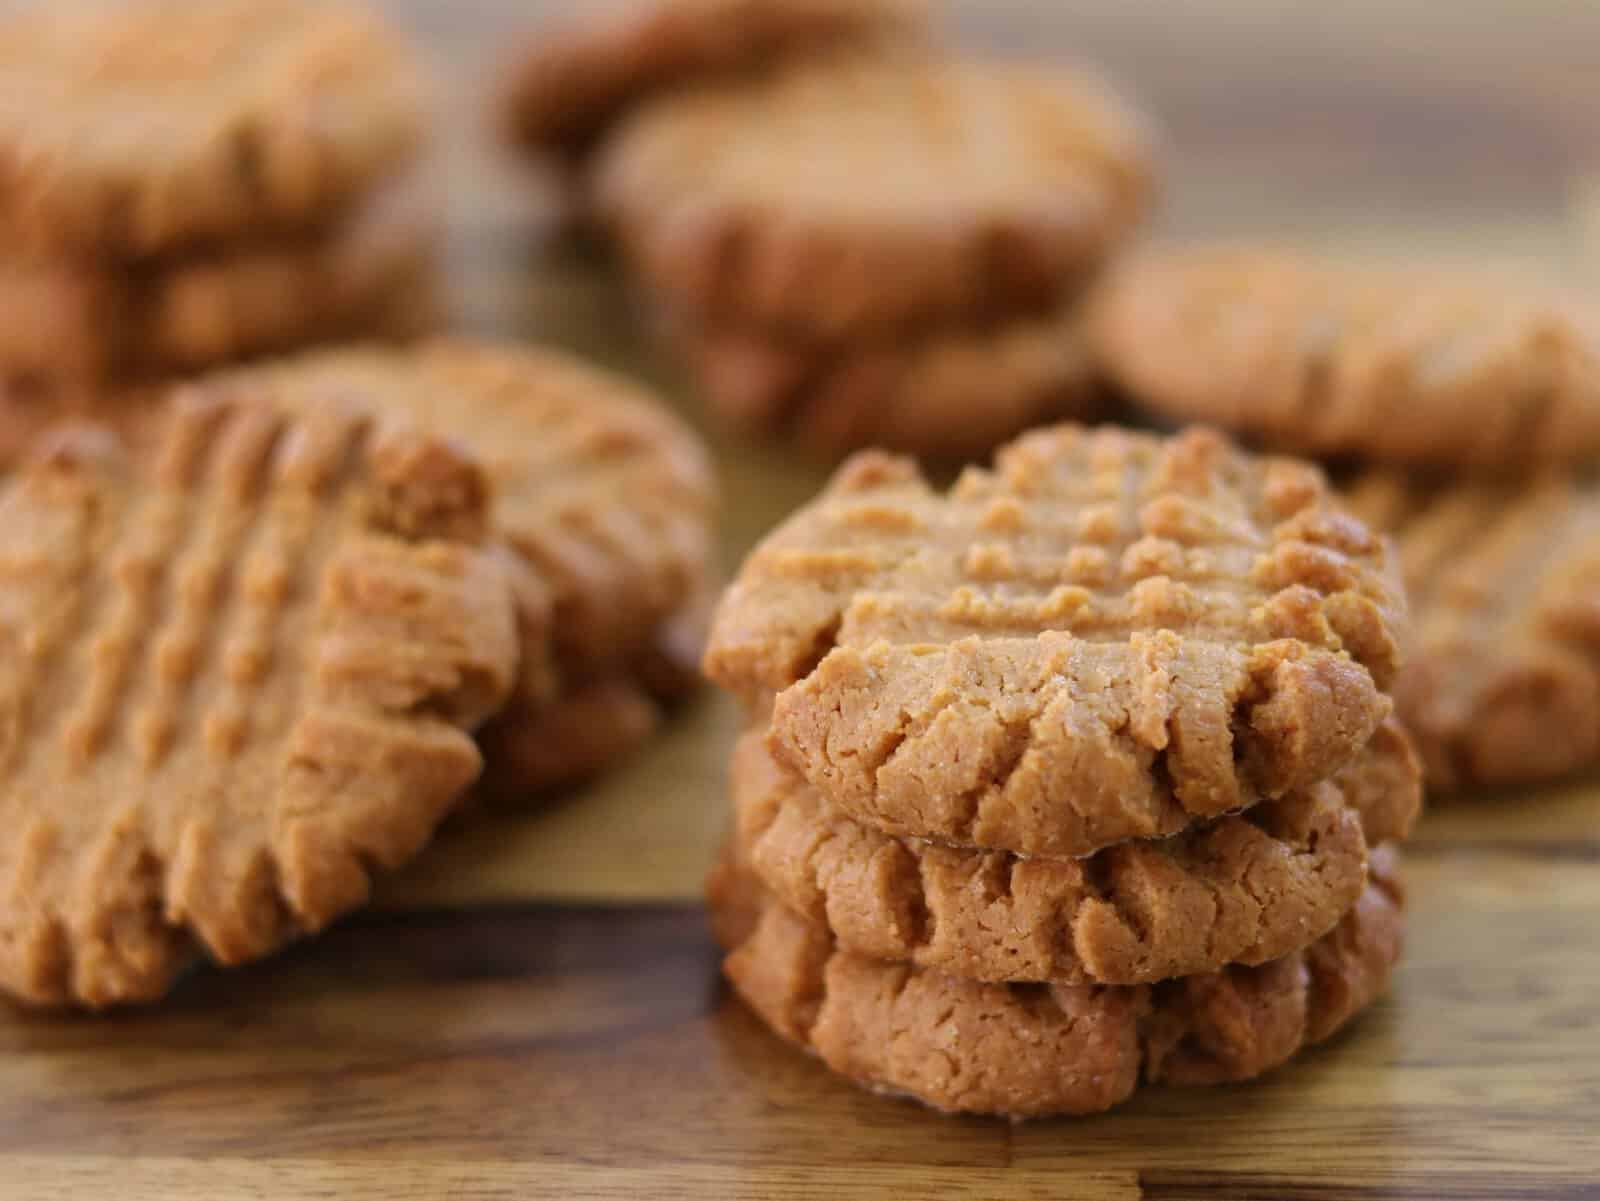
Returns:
(1080,774)
(249,646)
(851,238)
(193,181)
(1475,405)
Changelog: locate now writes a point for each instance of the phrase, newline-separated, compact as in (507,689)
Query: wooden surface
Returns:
(534,1010)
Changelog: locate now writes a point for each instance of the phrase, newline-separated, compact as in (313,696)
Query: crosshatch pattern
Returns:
(1121,632)
(233,691)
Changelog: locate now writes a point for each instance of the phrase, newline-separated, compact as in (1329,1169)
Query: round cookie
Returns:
(602,494)
(70,329)
(241,675)
(128,130)
(954,395)
(570,85)
(1110,635)
(1326,359)
(1032,1050)
(1502,683)
(993,188)
(1240,889)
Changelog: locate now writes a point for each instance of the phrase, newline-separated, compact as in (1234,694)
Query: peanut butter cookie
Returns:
(71,330)
(241,675)
(1110,635)
(1241,889)
(1502,683)
(604,497)
(128,130)
(871,193)
(1030,1050)
(572,84)
(1388,364)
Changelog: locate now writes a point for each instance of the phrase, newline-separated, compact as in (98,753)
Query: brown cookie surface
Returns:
(1502,682)
(604,496)
(242,672)
(1242,889)
(72,330)
(954,394)
(1323,358)
(571,84)
(1032,1050)
(993,188)
(1110,635)
(131,129)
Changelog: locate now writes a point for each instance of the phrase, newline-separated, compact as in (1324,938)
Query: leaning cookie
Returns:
(1110,635)
(1024,1051)
(572,84)
(128,130)
(1502,684)
(604,498)
(1325,358)
(242,673)
(993,189)
(953,394)
(1239,889)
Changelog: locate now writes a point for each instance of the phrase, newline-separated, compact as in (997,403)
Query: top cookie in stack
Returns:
(1068,777)
(568,88)
(188,181)
(853,238)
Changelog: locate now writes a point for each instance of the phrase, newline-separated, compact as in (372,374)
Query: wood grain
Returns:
(534,1010)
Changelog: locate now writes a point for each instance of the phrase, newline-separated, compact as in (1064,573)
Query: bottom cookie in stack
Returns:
(72,331)
(979,981)
(1032,1050)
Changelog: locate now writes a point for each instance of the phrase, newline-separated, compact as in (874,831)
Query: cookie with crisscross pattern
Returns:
(241,673)
(1110,635)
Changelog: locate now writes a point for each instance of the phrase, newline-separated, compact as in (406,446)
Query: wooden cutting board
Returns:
(534,1011)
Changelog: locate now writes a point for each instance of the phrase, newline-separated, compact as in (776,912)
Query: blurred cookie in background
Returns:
(1384,363)
(952,394)
(1502,681)
(188,182)
(880,249)
(876,193)
(573,82)
(72,329)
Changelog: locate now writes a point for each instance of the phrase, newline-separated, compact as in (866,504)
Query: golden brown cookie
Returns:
(605,497)
(1324,358)
(128,130)
(865,194)
(72,329)
(1239,889)
(240,676)
(951,394)
(1110,635)
(1029,1050)
(1502,682)
(570,85)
